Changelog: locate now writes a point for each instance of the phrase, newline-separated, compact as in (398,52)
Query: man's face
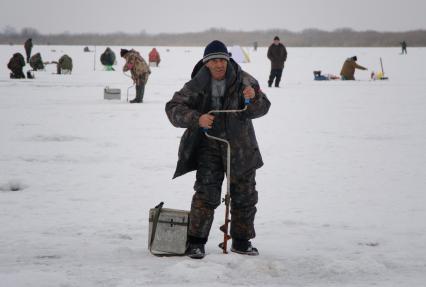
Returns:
(276,42)
(217,68)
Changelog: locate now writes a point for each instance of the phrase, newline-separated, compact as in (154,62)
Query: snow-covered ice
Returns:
(341,196)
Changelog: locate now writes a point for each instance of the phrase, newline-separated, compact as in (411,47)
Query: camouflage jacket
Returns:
(65,62)
(138,67)
(194,99)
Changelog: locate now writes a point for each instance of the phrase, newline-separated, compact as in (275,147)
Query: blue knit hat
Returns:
(215,50)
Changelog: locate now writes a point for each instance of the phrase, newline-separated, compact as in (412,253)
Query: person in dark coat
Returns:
(277,54)
(219,83)
(36,62)
(108,59)
(16,65)
(255,45)
(403,47)
(28,45)
(64,65)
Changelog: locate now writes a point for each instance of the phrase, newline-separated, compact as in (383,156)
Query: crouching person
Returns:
(64,65)
(108,59)
(16,65)
(348,69)
(36,62)
(218,83)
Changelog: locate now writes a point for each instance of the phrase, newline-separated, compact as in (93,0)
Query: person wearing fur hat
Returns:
(139,70)
(277,54)
(348,68)
(219,83)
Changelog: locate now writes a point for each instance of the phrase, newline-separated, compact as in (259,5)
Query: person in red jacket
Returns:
(154,57)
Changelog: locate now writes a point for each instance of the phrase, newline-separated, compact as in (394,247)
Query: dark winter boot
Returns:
(138,98)
(195,251)
(271,78)
(243,247)
(141,89)
(277,83)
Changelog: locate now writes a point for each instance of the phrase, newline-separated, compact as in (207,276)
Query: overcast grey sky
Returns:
(155,16)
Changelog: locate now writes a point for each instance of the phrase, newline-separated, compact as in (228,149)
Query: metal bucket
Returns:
(168,230)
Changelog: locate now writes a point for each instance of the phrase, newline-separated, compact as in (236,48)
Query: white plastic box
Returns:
(112,94)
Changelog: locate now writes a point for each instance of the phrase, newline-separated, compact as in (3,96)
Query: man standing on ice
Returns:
(218,83)
(28,45)
(140,72)
(403,48)
(277,54)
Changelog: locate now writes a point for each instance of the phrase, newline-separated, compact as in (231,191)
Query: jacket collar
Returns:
(201,78)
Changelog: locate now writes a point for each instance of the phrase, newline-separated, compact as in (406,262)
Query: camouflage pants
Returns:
(140,88)
(140,91)
(208,186)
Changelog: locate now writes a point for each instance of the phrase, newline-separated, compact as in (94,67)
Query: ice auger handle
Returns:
(224,228)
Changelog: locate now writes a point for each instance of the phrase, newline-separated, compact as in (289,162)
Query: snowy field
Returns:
(342,194)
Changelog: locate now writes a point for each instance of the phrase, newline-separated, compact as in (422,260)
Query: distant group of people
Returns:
(140,71)
(17,63)
(350,65)
(277,54)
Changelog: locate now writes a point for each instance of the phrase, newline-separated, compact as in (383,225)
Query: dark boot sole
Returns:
(251,253)
(196,256)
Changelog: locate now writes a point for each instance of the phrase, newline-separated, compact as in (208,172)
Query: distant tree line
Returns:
(344,37)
